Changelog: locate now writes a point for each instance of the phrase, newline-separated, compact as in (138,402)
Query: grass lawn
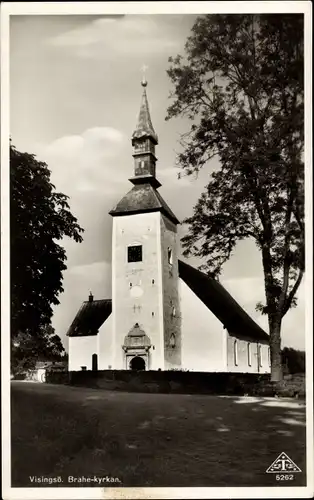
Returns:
(152,439)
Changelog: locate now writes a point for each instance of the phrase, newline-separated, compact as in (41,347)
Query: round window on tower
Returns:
(136,291)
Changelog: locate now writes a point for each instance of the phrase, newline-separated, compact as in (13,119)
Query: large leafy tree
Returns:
(241,85)
(293,360)
(27,350)
(40,217)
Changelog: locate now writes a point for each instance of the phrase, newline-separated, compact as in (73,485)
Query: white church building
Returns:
(159,303)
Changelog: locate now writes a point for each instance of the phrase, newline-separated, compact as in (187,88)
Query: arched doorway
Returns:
(137,363)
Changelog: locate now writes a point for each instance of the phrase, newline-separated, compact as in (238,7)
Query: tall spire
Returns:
(144,140)
(144,127)
(144,196)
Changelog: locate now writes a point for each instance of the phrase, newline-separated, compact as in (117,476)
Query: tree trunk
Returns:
(275,351)
(274,320)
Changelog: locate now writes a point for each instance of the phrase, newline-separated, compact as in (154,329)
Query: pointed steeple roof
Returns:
(144,127)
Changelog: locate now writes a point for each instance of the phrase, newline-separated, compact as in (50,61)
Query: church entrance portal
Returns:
(137,363)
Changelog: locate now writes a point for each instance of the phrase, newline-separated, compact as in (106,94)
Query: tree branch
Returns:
(292,293)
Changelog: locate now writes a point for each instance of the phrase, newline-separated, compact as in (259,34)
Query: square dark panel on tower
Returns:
(135,253)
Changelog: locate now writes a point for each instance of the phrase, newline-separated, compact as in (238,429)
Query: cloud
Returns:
(122,36)
(90,168)
(85,162)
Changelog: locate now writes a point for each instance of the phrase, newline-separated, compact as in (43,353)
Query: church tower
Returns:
(145,282)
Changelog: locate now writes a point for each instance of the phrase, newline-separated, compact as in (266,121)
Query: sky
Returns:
(74,99)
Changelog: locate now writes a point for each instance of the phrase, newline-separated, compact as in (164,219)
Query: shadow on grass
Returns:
(152,439)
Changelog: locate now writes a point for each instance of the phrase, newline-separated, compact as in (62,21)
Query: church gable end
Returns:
(221,303)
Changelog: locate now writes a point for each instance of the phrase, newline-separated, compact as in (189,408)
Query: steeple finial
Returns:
(144,81)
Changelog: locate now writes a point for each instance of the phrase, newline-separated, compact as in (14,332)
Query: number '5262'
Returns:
(284,477)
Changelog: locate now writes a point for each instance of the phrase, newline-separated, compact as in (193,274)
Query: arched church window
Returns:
(172,341)
(173,312)
(235,352)
(249,354)
(260,355)
(170,256)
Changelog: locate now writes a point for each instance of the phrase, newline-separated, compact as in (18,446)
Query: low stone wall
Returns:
(164,381)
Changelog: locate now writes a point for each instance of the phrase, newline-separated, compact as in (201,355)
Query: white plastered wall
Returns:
(81,350)
(203,336)
(241,361)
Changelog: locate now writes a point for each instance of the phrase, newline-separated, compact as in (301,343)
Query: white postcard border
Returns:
(188,7)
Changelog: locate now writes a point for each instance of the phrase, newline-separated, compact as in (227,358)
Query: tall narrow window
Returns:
(172,341)
(235,352)
(135,253)
(269,358)
(259,355)
(170,257)
(249,354)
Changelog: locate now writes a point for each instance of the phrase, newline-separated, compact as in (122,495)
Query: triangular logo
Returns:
(283,464)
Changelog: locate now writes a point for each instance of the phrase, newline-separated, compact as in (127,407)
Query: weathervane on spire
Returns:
(144,81)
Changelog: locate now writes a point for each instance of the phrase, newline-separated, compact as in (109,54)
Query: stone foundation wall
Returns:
(171,381)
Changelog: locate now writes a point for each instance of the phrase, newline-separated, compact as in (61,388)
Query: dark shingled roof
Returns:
(221,303)
(143,198)
(90,317)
